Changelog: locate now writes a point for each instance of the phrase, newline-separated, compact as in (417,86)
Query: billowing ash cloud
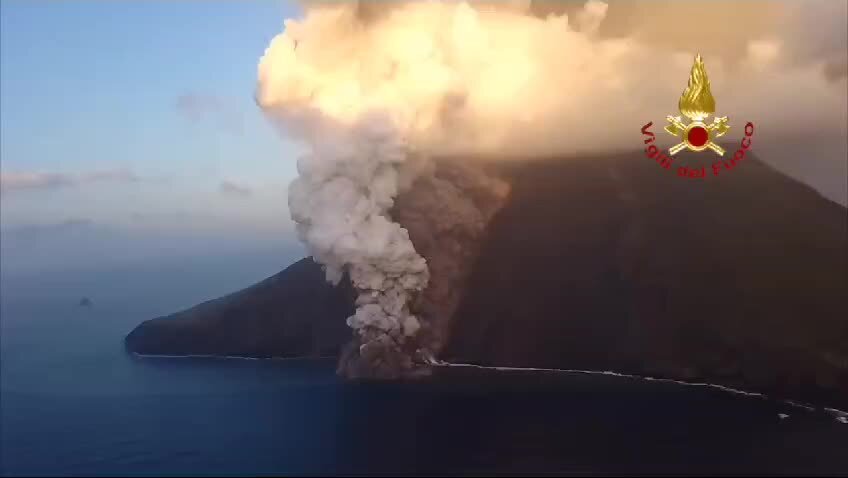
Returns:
(376,89)
(526,78)
(340,205)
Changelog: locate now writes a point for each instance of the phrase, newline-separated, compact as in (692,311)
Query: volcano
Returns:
(606,262)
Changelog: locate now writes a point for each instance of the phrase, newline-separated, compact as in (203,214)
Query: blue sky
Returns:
(162,89)
(141,115)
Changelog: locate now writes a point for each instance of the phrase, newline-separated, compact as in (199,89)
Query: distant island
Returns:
(86,302)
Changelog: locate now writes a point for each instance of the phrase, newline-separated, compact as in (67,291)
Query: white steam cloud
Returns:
(377,89)
(340,205)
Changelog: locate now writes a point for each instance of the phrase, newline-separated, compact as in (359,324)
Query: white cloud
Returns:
(200,107)
(231,188)
(463,80)
(28,180)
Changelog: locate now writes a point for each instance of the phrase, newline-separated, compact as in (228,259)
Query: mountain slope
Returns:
(606,262)
(615,263)
(294,313)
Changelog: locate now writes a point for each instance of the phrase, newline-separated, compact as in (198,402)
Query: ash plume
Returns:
(378,89)
(536,78)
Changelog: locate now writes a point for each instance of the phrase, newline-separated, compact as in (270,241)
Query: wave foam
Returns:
(839,415)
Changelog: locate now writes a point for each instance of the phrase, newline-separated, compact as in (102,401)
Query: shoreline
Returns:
(839,415)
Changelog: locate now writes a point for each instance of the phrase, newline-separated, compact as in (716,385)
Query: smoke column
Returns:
(363,115)
(376,90)
(340,204)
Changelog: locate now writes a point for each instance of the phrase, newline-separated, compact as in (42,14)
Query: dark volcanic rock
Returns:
(446,214)
(294,313)
(616,264)
(606,262)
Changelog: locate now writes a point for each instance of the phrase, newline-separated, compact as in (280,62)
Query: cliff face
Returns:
(598,263)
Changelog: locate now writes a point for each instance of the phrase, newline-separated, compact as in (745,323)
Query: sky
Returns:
(129,132)
(137,120)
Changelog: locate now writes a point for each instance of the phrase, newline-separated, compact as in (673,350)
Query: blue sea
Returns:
(74,403)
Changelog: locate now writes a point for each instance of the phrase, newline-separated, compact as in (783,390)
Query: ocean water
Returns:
(74,403)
